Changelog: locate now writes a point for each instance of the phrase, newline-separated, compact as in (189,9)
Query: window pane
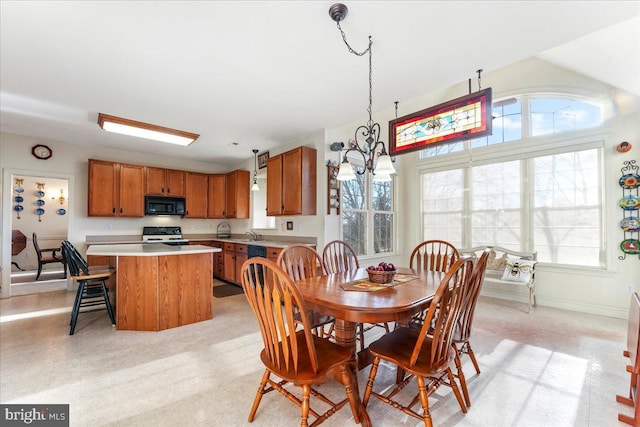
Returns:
(567,210)
(495,205)
(354,229)
(442,205)
(553,115)
(381,198)
(441,149)
(506,125)
(352,193)
(382,233)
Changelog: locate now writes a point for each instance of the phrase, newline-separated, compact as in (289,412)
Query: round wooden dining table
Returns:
(327,294)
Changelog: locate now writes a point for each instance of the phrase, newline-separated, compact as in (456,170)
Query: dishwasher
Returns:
(254,251)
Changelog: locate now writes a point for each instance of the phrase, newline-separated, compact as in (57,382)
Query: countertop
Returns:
(137,239)
(148,249)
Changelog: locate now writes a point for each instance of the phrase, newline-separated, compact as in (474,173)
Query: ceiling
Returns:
(266,73)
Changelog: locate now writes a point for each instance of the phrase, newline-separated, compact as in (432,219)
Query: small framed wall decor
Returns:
(262,160)
(462,118)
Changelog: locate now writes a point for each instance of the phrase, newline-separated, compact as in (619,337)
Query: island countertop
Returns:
(149,249)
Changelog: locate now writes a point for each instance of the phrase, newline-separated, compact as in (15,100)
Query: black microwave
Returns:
(164,205)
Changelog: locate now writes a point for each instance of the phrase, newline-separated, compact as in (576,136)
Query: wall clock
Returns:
(41,152)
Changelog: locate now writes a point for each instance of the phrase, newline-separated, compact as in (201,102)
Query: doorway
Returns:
(36,203)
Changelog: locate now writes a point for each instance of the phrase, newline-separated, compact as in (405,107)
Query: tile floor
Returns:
(551,368)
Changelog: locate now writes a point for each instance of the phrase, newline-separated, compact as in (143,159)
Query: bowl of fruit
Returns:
(383,273)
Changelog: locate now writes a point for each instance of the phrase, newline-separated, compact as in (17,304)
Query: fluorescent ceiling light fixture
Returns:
(145,130)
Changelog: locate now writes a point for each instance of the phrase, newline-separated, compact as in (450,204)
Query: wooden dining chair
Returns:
(433,255)
(463,329)
(338,257)
(303,262)
(92,290)
(428,354)
(48,256)
(295,355)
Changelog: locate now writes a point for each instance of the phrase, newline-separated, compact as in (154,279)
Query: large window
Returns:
(543,193)
(368,215)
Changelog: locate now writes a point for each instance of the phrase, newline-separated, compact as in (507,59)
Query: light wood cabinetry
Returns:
(237,194)
(216,196)
(291,183)
(272,253)
(165,182)
(115,189)
(196,195)
(234,256)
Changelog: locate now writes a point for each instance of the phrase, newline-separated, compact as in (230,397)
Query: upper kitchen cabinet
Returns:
(196,195)
(217,196)
(115,189)
(165,182)
(237,194)
(291,183)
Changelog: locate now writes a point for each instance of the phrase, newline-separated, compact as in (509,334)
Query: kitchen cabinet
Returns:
(216,196)
(234,256)
(115,189)
(291,183)
(196,195)
(165,182)
(272,253)
(237,194)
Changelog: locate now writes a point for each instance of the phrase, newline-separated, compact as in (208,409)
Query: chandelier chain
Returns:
(368,49)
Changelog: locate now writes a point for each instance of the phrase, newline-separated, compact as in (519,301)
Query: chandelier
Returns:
(367,137)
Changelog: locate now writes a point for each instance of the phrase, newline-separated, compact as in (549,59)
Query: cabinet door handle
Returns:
(120,210)
(168,190)
(113,211)
(162,189)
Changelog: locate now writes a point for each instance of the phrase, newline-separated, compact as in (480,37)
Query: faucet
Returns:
(254,236)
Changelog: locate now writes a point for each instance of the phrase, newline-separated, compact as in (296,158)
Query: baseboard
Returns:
(601,310)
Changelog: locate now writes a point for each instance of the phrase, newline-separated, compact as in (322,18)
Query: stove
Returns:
(168,235)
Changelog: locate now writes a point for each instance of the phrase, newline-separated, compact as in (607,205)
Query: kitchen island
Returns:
(158,286)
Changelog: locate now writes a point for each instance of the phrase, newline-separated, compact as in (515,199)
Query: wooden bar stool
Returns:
(92,289)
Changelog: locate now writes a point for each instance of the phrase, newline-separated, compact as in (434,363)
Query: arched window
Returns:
(534,184)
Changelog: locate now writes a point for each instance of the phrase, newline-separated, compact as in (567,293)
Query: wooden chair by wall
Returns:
(92,290)
(302,262)
(295,355)
(463,329)
(338,257)
(427,354)
(633,353)
(433,255)
(48,256)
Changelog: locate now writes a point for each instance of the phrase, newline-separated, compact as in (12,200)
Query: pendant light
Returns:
(255,187)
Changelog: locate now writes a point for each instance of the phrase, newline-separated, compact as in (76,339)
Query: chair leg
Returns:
(454,386)
(360,328)
(372,376)
(107,302)
(259,394)
(306,392)
(39,271)
(76,307)
(348,380)
(424,401)
(461,378)
(472,356)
